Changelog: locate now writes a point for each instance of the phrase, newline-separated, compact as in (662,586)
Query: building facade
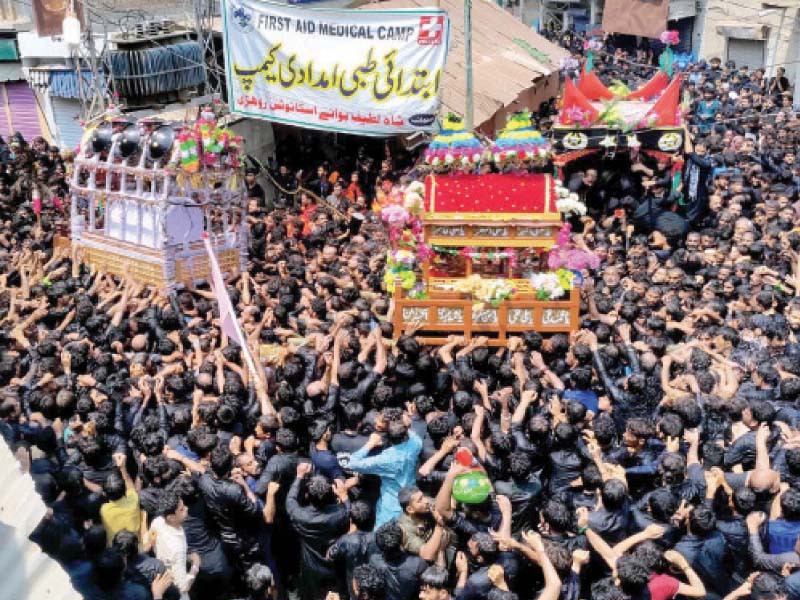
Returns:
(756,33)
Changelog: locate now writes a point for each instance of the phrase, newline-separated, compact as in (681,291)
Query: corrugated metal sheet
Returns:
(681,9)
(67,116)
(26,573)
(507,56)
(24,114)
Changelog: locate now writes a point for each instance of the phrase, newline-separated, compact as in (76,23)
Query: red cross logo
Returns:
(430,30)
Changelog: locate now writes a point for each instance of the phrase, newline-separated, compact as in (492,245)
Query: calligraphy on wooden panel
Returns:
(489,231)
(534,232)
(555,316)
(449,230)
(413,314)
(447,315)
(520,316)
(486,316)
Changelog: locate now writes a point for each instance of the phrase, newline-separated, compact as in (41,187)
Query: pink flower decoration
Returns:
(562,239)
(424,252)
(669,38)
(574,114)
(556,259)
(593,45)
(580,259)
(394,215)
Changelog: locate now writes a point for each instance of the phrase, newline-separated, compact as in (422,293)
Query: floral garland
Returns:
(469,252)
(405,231)
(520,141)
(568,203)
(577,117)
(398,269)
(489,291)
(619,89)
(205,143)
(552,285)
(454,145)
(564,255)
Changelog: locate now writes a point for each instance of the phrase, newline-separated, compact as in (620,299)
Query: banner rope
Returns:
(299,190)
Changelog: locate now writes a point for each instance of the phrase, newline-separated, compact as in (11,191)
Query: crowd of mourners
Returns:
(654,453)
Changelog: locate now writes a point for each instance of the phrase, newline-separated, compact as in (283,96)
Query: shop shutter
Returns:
(746,52)
(67,116)
(24,112)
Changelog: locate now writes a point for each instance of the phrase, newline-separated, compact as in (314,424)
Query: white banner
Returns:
(371,72)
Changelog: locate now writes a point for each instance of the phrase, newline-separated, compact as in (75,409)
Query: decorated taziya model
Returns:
(145,192)
(594,118)
(484,254)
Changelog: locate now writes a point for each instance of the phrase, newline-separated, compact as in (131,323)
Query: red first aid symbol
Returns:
(431,29)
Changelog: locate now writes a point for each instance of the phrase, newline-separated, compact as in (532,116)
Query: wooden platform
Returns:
(444,316)
(119,258)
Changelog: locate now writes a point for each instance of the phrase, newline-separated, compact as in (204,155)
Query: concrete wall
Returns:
(259,139)
(781,25)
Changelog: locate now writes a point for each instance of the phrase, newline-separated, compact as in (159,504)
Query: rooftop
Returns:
(507,56)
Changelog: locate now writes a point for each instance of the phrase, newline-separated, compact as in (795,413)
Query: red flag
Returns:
(227,316)
(590,86)
(651,89)
(666,108)
(575,102)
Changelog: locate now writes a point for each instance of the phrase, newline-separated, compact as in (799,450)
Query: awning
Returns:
(743,30)
(681,9)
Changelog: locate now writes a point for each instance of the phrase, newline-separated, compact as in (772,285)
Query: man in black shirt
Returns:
(400,569)
(233,508)
(318,524)
(354,548)
(253,189)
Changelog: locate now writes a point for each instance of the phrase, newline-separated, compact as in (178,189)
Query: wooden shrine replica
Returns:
(486,238)
(595,119)
(144,193)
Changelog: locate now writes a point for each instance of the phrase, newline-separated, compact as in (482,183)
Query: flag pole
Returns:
(227,316)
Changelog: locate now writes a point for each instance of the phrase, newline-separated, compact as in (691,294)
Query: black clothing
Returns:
(351,550)
(234,515)
(401,575)
(317,529)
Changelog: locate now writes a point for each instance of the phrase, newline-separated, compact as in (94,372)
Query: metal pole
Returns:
(468,59)
(522,10)
(541,15)
(773,44)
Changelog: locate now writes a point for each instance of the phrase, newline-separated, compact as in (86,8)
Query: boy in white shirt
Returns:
(166,534)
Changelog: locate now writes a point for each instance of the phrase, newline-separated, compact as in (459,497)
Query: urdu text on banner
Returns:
(370,72)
